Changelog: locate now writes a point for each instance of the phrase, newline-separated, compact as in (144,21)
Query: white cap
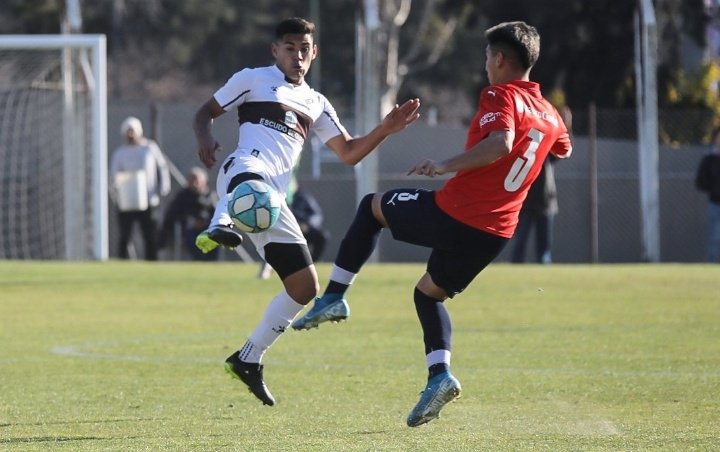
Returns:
(199,173)
(133,123)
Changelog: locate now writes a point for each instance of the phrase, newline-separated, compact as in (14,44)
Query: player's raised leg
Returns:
(221,231)
(355,249)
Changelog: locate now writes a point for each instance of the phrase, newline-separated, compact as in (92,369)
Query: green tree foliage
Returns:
(30,16)
(690,103)
(165,48)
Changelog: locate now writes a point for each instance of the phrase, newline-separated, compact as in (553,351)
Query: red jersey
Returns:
(489,197)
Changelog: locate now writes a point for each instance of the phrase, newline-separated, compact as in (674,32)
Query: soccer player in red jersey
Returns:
(471,218)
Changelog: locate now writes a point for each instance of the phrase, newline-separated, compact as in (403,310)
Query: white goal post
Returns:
(647,123)
(53,147)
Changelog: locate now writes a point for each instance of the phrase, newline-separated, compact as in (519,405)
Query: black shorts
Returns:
(459,251)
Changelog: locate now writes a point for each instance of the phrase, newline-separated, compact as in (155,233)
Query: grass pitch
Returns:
(128,356)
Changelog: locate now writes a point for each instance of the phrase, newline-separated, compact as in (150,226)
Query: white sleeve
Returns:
(233,93)
(327,125)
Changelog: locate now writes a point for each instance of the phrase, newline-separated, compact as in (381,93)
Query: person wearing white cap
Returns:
(139,176)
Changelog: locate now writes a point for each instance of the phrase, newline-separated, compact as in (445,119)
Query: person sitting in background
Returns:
(140,176)
(192,208)
(707,180)
(309,215)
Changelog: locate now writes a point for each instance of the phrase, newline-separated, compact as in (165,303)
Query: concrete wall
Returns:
(683,228)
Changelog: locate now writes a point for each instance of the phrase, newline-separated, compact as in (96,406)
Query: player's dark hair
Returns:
(517,40)
(294,25)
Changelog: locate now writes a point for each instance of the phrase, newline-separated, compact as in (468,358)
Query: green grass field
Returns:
(128,356)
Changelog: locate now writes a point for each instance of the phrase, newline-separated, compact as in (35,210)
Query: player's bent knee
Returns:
(302,286)
(428,287)
(376,205)
(369,210)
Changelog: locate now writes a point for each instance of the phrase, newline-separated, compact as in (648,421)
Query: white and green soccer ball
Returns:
(254,206)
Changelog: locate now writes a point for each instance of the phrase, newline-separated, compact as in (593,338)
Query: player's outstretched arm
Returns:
(202,126)
(352,150)
(494,146)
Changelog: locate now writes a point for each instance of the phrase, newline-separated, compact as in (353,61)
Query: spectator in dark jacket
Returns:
(538,212)
(708,181)
(309,215)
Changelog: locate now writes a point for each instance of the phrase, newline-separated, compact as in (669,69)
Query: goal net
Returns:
(53,147)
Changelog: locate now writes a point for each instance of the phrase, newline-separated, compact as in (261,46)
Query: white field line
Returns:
(81,351)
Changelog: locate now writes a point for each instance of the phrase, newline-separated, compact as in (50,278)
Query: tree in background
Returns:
(425,41)
(172,50)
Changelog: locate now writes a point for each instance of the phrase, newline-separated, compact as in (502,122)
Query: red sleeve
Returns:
(496,112)
(562,148)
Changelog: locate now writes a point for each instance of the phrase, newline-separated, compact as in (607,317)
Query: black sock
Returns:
(336,287)
(360,239)
(438,368)
(436,325)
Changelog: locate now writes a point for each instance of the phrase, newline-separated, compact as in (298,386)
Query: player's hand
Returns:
(430,168)
(207,153)
(401,116)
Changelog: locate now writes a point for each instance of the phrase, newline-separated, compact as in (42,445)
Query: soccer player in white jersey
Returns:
(276,109)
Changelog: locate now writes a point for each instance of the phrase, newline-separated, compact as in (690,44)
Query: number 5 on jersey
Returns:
(522,165)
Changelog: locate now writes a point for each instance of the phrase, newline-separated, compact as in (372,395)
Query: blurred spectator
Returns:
(191,209)
(139,176)
(538,212)
(541,205)
(309,215)
(708,181)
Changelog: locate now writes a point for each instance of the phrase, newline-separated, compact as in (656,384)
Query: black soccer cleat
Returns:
(225,236)
(210,238)
(252,375)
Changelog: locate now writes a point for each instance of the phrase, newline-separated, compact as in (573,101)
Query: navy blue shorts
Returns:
(459,252)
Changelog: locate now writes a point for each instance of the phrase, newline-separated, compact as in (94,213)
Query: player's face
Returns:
(294,54)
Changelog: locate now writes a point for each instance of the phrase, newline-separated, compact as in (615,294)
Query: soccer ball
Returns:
(254,206)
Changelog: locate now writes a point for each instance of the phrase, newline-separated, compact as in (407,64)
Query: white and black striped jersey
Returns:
(275,118)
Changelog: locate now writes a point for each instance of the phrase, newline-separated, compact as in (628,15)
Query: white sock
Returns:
(221,215)
(279,314)
(342,276)
(438,357)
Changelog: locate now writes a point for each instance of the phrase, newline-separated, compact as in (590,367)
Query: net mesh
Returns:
(45,149)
